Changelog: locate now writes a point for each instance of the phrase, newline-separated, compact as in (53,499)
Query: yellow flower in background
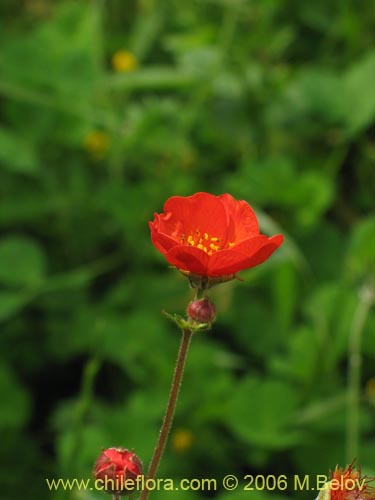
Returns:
(124,61)
(97,144)
(182,440)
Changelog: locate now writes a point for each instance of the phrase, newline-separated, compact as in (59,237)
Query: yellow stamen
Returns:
(199,240)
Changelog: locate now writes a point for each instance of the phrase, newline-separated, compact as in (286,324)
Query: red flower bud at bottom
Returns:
(202,311)
(347,484)
(117,469)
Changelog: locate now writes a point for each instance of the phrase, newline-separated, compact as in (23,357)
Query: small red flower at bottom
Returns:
(347,484)
(211,236)
(117,469)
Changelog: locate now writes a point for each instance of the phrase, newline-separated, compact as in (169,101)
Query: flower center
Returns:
(202,241)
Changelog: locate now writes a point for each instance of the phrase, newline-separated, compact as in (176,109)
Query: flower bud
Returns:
(117,470)
(202,311)
(347,484)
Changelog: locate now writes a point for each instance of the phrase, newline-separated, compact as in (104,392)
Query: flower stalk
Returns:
(171,407)
(209,239)
(366,299)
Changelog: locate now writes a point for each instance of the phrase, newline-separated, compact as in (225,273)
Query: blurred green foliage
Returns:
(271,101)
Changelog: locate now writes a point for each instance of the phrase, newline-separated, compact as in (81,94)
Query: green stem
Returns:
(231,19)
(171,406)
(85,399)
(354,374)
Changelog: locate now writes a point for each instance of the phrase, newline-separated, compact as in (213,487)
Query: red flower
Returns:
(348,484)
(211,236)
(118,469)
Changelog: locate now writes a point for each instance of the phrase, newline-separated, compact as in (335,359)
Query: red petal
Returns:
(161,241)
(201,211)
(170,225)
(188,259)
(243,220)
(265,252)
(247,254)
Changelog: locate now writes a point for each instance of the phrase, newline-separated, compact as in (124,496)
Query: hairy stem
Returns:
(171,406)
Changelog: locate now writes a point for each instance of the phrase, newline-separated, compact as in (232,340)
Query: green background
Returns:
(271,101)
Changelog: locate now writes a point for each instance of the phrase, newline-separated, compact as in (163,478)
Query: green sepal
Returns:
(184,324)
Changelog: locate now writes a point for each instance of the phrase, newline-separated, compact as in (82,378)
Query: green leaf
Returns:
(277,182)
(285,292)
(360,258)
(91,438)
(16,154)
(359,86)
(64,44)
(22,262)
(260,412)
(324,248)
(158,77)
(317,93)
(14,408)
(331,307)
(12,302)
(301,359)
